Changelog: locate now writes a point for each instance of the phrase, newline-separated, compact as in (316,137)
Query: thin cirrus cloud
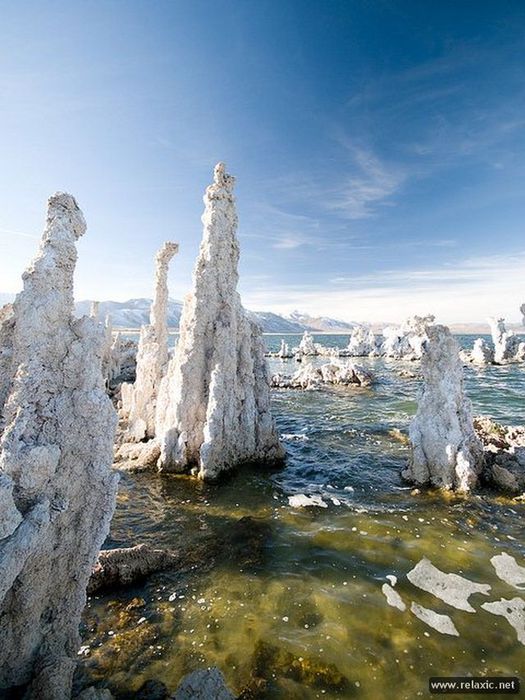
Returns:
(467,291)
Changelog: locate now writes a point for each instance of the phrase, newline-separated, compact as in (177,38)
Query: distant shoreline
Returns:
(456,330)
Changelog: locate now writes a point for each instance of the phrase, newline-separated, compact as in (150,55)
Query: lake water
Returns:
(290,600)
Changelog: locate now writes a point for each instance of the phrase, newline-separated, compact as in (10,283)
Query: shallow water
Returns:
(294,595)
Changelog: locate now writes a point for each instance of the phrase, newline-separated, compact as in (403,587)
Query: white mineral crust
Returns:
(152,354)
(406,341)
(445,449)
(482,353)
(362,342)
(506,344)
(55,466)
(452,589)
(213,411)
(307,345)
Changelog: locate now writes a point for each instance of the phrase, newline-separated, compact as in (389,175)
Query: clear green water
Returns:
(293,596)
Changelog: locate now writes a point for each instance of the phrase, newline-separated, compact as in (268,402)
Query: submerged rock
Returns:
(55,460)
(152,356)
(445,449)
(213,411)
(205,684)
(126,565)
(271,662)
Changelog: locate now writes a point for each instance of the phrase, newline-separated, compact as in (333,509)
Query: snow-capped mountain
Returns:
(320,323)
(135,313)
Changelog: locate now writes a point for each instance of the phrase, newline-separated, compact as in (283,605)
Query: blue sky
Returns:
(378,147)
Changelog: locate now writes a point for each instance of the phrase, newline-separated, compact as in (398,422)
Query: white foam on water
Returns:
(441,623)
(508,570)
(392,597)
(450,588)
(296,437)
(392,579)
(513,611)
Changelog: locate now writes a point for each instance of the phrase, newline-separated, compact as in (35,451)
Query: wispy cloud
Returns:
(372,183)
(467,290)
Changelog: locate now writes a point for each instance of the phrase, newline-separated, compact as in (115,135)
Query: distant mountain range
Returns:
(135,313)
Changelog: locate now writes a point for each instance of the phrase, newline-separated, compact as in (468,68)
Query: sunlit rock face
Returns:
(406,341)
(445,449)
(56,487)
(362,342)
(307,345)
(506,344)
(310,377)
(152,354)
(481,353)
(213,410)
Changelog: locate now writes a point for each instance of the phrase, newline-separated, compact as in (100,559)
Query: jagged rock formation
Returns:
(362,342)
(307,345)
(506,344)
(310,377)
(7,323)
(213,410)
(93,311)
(445,449)
(406,341)
(504,455)
(522,310)
(152,355)
(56,486)
(482,353)
(111,356)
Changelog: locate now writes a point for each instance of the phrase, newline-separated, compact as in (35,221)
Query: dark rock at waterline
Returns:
(205,684)
(152,690)
(503,455)
(124,566)
(243,544)
(272,662)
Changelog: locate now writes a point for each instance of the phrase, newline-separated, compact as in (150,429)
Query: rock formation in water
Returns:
(310,377)
(506,344)
(213,410)
(482,353)
(522,310)
(406,341)
(56,485)
(445,449)
(204,684)
(127,565)
(307,345)
(362,342)
(504,455)
(152,354)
